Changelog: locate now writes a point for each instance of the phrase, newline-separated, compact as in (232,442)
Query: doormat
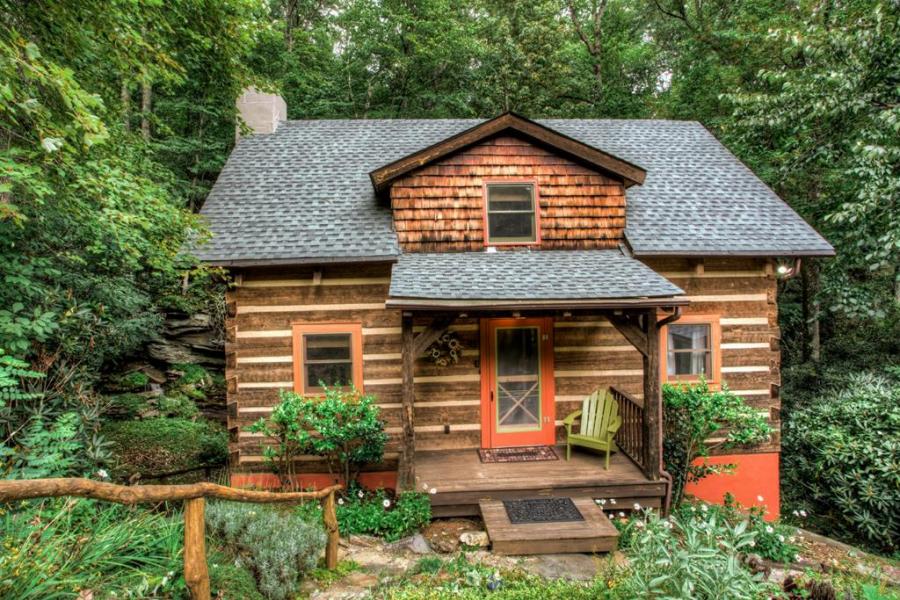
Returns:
(521,454)
(542,510)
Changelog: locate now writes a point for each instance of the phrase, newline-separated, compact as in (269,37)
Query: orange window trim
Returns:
(715,334)
(535,198)
(356,350)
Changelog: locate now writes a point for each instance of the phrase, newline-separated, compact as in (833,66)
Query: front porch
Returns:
(461,480)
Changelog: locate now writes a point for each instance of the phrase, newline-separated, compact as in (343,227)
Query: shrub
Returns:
(280,547)
(57,548)
(341,426)
(375,513)
(841,460)
(164,445)
(692,557)
(693,413)
(773,540)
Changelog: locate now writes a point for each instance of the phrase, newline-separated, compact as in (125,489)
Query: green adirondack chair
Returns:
(600,421)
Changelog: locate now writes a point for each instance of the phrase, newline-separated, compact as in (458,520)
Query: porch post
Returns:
(652,428)
(406,469)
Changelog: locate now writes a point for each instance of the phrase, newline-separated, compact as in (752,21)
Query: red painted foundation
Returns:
(754,482)
(304,481)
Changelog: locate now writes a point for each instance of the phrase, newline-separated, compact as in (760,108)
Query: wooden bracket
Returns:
(431,333)
(630,326)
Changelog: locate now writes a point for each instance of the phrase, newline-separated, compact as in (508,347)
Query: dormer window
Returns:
(510,213)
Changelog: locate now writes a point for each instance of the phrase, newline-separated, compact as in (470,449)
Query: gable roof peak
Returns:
(630,173)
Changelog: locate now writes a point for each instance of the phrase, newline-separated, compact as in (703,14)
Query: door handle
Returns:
(492,396)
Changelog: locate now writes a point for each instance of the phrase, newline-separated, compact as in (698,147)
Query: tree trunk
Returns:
(146,104)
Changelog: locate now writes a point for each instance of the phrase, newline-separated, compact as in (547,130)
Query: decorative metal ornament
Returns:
(446,350)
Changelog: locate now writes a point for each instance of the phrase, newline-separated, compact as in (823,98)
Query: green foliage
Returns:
(840,454)
(693,414)
(57,548)
(278,546)
(376,513)
(325,577)
(162,445)
(773,540)
(694,556)
(135,381)
(12,373)
(341,426)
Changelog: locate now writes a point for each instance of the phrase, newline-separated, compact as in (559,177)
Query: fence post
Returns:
(196,574)
(329,516)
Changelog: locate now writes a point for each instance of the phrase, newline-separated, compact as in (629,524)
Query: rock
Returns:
(475,539)
(443,534)
(360,579)
(362,541)
(575,567)
(414,543)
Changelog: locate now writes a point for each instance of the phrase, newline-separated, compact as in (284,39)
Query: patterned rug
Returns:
(542,510)
(520,454)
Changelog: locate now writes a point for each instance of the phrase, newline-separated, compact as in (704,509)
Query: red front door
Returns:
(517,392)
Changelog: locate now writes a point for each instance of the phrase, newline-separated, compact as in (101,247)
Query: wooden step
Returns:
(594,534)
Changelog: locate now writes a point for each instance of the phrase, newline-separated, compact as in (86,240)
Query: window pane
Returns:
(512,226)
(688,363)
(518,367)
(331,374)
(331,346)
(511,213)
(688,337)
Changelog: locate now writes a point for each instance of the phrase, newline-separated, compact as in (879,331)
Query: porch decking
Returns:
(461,480)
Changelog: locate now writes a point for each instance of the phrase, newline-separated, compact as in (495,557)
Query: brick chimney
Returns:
(261,111)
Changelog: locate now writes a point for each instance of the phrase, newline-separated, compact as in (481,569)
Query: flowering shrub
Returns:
(341,426)
(695,556)
(376,513)
(693,413)
(840,460)
(279,547)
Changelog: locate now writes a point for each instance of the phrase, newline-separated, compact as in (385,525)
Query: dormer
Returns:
(507,183)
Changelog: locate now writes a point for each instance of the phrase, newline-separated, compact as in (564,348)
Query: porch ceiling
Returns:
(528,279)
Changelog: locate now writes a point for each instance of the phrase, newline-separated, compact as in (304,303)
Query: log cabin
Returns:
(553,257)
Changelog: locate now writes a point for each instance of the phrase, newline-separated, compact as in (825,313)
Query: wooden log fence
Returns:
(196,573)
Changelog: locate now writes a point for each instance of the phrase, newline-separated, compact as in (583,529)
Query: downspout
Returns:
(667,503)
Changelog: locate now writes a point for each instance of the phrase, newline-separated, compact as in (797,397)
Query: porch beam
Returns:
(630,327)
(411,347)
(652,422)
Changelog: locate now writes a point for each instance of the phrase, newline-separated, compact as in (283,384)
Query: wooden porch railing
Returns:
(196,573)
(630,437)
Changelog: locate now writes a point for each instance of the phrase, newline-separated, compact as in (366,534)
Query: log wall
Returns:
(440,207)
(588,351)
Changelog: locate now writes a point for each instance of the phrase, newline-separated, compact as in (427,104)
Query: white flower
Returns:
(780,538)
(432,491)
(601,501)
(341,501)
(803,513)
(703,507)
(759,498)
(637,506)
(102,474)
(752,543)
(769,529)
(639,524)
(360,493)
(792,539)
(621,514)
(612,500)
(424,486)
(795,513)
(386,503)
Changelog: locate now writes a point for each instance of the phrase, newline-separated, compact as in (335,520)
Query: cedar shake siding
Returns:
(441,207)
(588,352)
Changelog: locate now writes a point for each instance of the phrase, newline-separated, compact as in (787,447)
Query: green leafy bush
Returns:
(57,548)
(376,513)
(695,556)
(841,460)
(773,540)
(280,547)
(693,414)
(162,445)
(341,426)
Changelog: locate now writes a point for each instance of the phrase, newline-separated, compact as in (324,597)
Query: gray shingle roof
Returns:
(303,193)
(527,275)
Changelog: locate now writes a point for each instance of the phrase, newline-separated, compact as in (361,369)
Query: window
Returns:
(691,349)
(329,354)
(510,213)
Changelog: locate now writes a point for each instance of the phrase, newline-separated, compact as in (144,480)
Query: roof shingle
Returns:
(303,194)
